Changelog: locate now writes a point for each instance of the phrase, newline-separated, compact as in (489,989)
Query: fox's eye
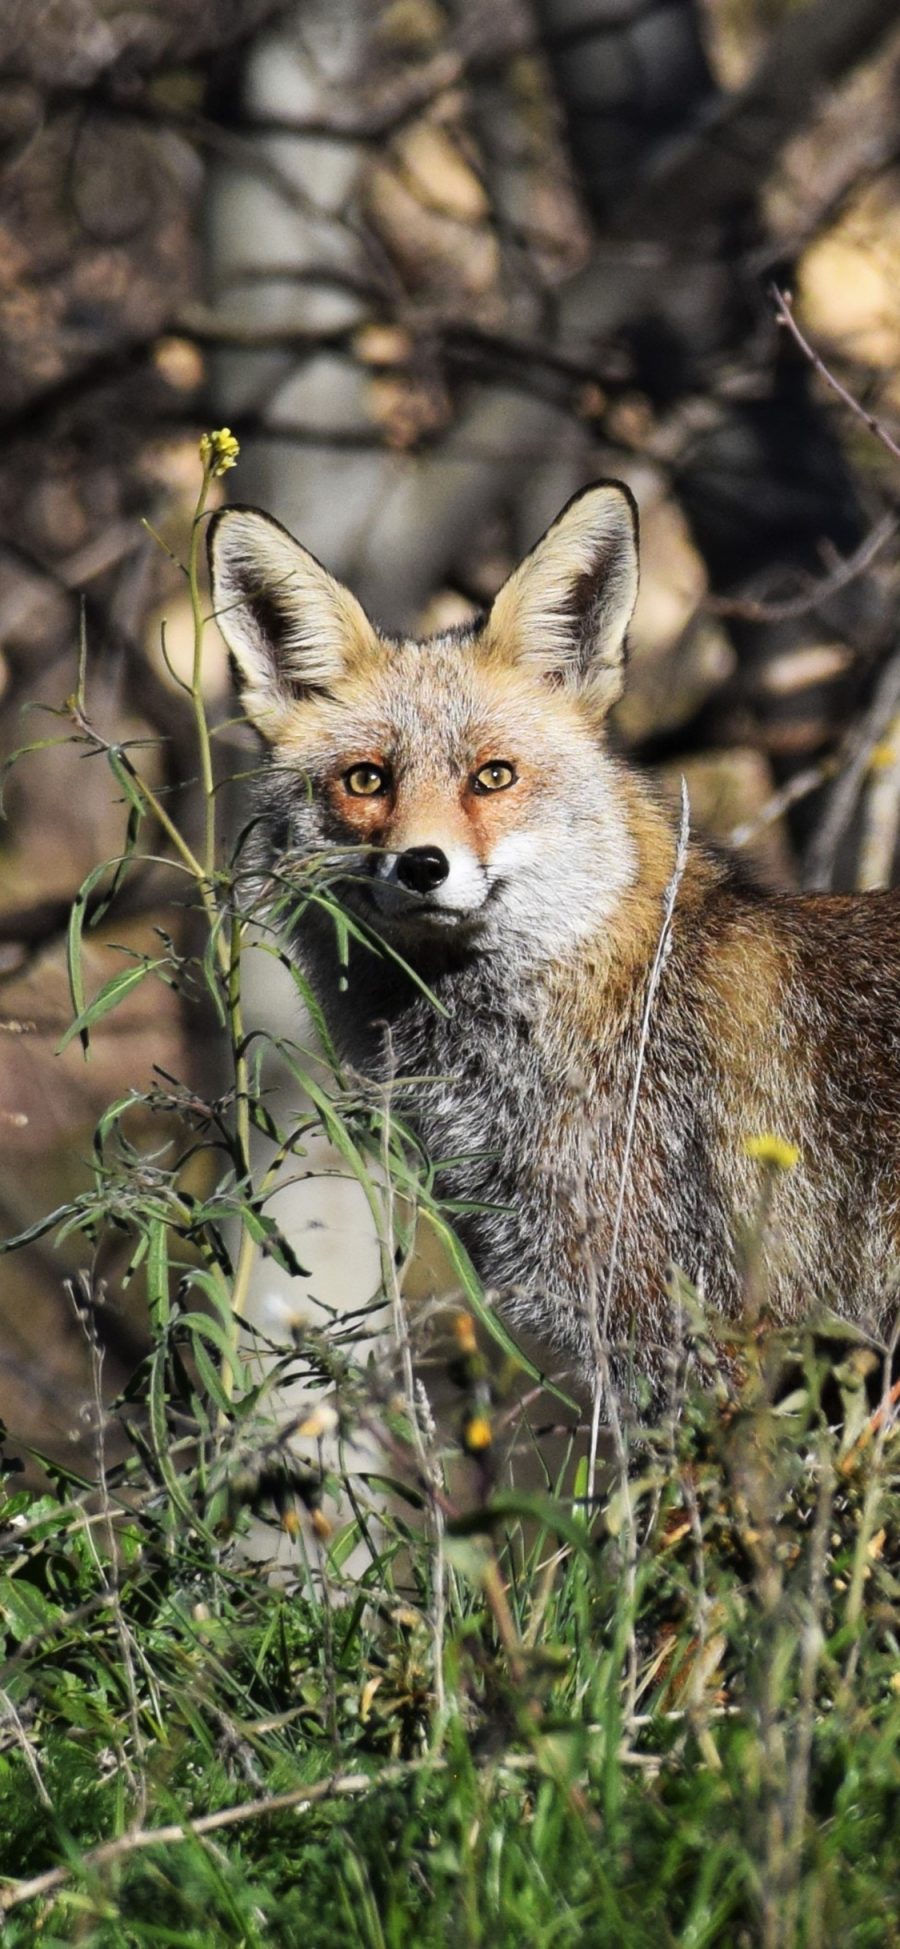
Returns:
(494,777)
(365,781)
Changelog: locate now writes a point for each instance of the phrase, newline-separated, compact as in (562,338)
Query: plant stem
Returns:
(247,1247)
(200,719)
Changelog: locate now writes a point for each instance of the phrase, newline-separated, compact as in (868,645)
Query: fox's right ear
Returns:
(291,628)
(565,611)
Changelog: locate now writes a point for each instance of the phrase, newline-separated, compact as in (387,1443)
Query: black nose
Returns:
(422,867)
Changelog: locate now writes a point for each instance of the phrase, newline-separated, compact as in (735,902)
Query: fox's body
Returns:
(484,828)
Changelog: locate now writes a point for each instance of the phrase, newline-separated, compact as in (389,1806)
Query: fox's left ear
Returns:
(566,608)
(292,629)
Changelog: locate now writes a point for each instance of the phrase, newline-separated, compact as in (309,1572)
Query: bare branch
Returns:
(784,306)
(845,796)
(748,610)
(721,164)
(803,783)
(337,1786)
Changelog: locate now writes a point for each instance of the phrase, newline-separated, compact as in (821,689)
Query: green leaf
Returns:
(265,1232)
(123,771)
(161,1439)
(580,1490)
(207,1371)
(78,915)
(336,1131)
(38,1230)
(210,967)
(471,1285)
(109,997)
(111,1116)
(158,1272)
(73,957)
(209,1329)
(376,945)
(26,1610)
(312,1005)
(215,1290)
(343,1544)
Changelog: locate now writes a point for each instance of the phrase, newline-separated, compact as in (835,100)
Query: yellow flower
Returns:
(464,1333)
(219,451)
(477,1433)
(322,1420)
(769,1149)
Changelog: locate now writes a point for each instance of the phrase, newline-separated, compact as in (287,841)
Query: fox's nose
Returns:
(422,867)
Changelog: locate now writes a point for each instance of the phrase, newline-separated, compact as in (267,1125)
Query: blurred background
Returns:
(436,264)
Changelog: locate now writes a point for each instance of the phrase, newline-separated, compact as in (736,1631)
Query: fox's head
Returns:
(464,781)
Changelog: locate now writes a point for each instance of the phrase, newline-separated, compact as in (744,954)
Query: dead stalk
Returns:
(416,1397)
(604,1390)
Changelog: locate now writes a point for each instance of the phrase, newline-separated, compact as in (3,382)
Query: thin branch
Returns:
(882,818)
(337,1786)
(784,308)
(482,44)
(747,609)
(719,164)
(9,1716)
(845,797)
(803,783)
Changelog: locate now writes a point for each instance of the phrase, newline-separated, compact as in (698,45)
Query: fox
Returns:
(591,1012)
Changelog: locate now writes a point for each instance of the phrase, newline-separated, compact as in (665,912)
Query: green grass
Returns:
(465,1710)
(705,1751)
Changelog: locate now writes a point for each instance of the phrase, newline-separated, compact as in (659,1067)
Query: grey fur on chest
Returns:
(529,1133)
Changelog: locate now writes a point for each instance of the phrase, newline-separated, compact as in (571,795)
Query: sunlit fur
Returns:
(777,1014)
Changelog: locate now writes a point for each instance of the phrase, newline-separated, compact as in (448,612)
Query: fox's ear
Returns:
(290,627)
(566,608)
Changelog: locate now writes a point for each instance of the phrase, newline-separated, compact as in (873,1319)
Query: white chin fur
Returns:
(548,890)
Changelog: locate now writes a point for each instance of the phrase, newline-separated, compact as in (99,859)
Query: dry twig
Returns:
(784,307)
(747,609)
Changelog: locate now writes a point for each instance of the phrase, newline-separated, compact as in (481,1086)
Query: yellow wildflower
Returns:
(769,1149)
(477,1433)
(464,1333)
(219,451)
